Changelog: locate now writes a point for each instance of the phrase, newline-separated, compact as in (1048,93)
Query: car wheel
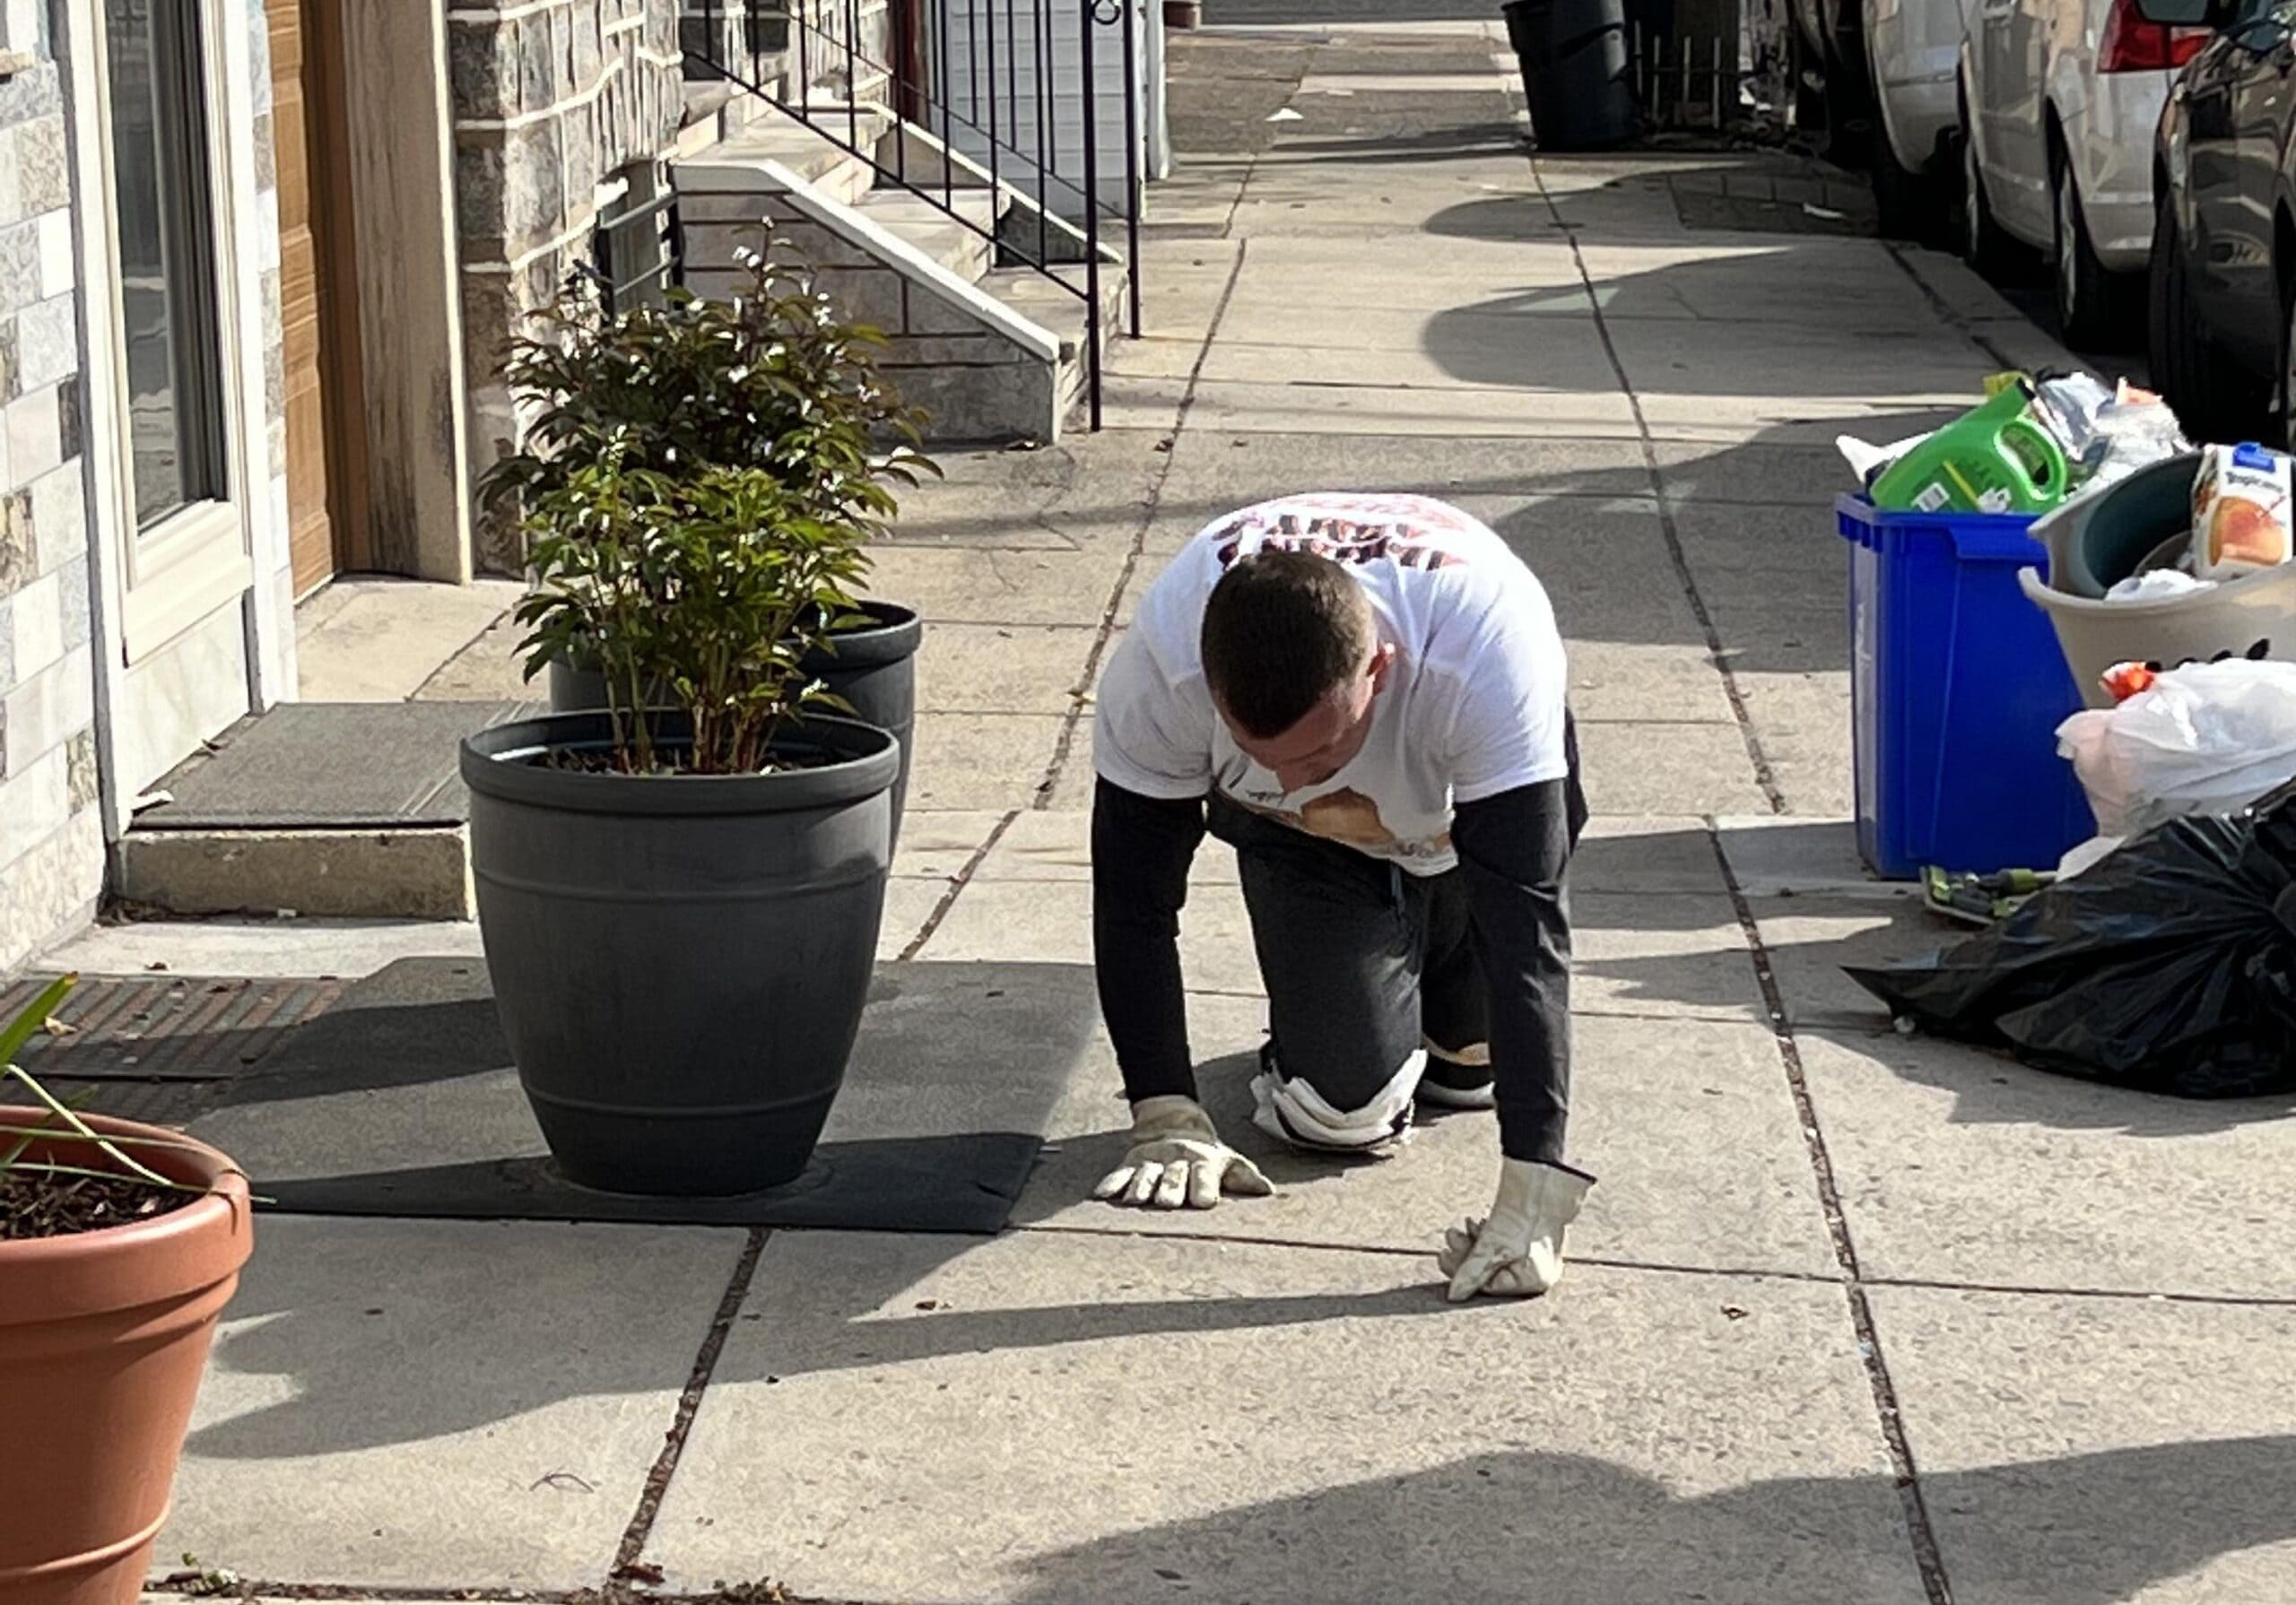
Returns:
(2092,304)
(1984,247)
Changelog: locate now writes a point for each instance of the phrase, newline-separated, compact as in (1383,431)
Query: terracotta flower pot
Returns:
(103,1338)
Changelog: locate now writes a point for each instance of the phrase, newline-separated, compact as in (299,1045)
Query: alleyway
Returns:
(1821,1258)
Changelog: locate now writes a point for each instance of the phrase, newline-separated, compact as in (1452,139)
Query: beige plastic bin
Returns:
(2254,616)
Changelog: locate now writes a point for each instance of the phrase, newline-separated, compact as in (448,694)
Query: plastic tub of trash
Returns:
(1957,688)
(2129,530)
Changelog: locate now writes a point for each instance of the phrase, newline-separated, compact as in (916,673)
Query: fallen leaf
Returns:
(56,1028)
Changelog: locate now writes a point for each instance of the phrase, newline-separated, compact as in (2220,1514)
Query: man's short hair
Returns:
(1280,630)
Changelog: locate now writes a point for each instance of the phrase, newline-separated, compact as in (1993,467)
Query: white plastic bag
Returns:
(2158,586)
(2208,738)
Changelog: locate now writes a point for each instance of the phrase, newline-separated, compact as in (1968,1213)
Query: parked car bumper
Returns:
(2112,145)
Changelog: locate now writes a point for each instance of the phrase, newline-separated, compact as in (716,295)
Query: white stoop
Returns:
(991,354)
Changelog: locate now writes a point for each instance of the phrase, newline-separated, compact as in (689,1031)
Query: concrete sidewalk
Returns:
(1851,1317)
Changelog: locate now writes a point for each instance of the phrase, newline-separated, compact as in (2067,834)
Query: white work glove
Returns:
(1518,1252)
(1178,1161)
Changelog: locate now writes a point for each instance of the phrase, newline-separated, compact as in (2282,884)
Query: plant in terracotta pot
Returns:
(680,893)
(119,1245)
(772,380)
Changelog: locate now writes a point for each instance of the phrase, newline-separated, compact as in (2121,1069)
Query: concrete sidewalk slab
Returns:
(937,844)
(1654,1102)
(1959,1164)
(973,586)
(1159,1416)
(1612,680)
(2098,1450)
(379,641)
(1727,422)
(1002,668)
(1215,472)
(1051,922)
(1762,474)
(1776,861)
(1399,332)
(1807,282)
(1540,354)
(1808,361)
(1648,767)
(376,1413)
(1803,721)
(1058,846)
(977,761)
(1366,409)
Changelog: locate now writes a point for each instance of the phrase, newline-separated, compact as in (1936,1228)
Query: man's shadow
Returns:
(1563,1528)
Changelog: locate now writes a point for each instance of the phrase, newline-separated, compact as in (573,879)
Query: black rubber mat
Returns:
(329,765)
(401,1101)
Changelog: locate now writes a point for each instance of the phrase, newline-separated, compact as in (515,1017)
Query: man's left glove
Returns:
(1178,1161)
(1518,1252)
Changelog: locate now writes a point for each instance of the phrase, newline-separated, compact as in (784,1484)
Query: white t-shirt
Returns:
(1473,705)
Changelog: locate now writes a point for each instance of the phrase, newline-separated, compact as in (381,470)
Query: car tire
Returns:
(2213,397)
(2284,395)
(1906,203)
(2168,315)
(2095,306)
(1984,245)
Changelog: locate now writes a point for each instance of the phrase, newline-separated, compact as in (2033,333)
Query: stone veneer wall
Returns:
(552,99)
(51,832)
(51,829)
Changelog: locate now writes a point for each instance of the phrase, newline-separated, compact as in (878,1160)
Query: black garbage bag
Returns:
(2170,967)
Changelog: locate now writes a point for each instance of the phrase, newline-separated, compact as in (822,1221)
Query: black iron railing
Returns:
(949,99)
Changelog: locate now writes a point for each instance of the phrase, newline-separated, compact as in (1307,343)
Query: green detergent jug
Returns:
(1995,458)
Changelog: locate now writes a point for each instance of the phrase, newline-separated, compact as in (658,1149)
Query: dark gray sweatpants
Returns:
(1360,959)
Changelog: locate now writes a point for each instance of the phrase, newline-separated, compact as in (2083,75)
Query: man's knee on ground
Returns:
(1321,1112)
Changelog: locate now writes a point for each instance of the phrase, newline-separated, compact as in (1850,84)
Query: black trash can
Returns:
(1576,71)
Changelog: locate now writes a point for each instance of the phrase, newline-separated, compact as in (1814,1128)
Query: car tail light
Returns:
(2133,45)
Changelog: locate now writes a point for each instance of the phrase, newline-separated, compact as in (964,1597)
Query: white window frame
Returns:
(202,558)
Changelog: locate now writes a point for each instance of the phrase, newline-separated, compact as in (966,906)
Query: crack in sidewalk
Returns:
(1080,694)
(1765,776)
(1928,1559)
(632,1547)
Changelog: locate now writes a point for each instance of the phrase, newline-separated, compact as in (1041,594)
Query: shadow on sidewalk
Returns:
(1570,1530)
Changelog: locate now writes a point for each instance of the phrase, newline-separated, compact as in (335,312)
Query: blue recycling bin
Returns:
(1957,687)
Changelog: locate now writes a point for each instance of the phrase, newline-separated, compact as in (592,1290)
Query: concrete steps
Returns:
(335,810)
(993,353)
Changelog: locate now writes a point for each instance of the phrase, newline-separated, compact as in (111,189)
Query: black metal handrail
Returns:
(825,34)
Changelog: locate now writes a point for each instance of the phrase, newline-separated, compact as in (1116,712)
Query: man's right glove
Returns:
(1178,1161)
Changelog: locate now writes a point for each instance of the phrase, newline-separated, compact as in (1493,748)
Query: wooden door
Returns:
(317,276)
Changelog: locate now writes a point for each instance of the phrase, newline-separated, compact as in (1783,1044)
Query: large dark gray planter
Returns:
(680,962)
(873,668)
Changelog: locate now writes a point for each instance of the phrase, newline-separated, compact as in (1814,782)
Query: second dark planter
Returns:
(874,668)
(680,962)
